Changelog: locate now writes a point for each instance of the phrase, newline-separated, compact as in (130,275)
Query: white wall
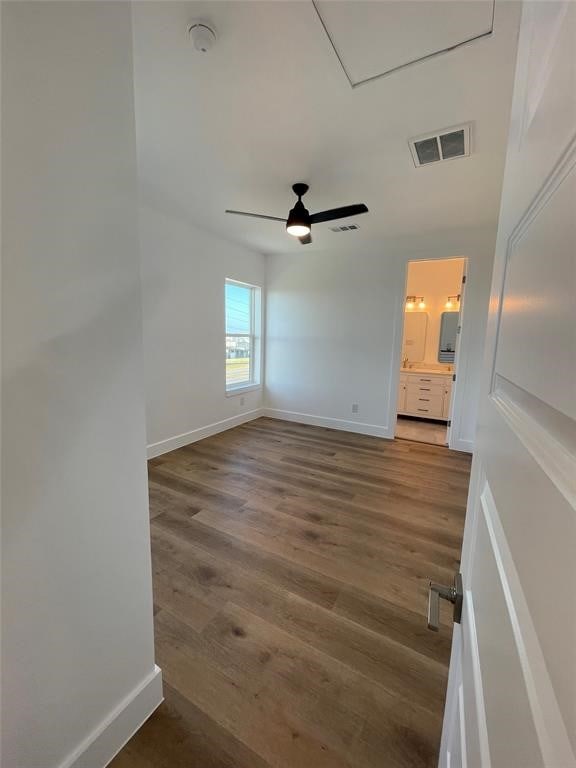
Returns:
(334,331)
(77,638)
(435,280)
(183,273)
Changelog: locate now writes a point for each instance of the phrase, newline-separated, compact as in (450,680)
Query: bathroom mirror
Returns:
(448,332)
(414,341)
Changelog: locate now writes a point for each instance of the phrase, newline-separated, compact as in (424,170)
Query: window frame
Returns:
(254,339)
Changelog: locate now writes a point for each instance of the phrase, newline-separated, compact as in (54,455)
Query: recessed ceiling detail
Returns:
(375,39)
(441,145)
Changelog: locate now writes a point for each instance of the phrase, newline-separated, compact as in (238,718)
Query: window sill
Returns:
(242,389)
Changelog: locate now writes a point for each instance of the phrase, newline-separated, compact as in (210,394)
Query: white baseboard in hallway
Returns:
(179,441)
(375,430)
(462,445)
(111,735)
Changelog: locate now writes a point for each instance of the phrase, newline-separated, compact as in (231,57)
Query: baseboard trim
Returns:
(462,445)
(374,430)
(100,747)
(179,441)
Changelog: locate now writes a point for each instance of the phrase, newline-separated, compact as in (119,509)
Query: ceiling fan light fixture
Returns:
(298,223)
(298,230)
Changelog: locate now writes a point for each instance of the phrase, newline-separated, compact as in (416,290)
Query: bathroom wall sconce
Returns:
(452,300)
(412,300)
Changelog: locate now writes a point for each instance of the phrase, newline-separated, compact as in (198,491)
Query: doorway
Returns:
(432,305)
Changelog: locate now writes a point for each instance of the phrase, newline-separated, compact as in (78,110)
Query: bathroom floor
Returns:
(420,430)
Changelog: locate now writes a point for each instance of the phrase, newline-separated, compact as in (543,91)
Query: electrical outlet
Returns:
(241,401)
(355,407)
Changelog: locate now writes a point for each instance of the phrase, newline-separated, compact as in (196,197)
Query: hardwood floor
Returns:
(291,566)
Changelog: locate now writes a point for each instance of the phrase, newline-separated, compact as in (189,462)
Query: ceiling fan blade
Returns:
(256,215)
(306,239)
(338,213)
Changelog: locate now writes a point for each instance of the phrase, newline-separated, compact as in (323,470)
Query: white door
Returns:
(512,688)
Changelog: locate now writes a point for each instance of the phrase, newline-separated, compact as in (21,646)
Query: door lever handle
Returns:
(453,594)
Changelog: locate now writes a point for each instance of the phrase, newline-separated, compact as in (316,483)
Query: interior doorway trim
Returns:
(455,443)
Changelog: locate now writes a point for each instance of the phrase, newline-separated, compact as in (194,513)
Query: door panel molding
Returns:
(473,735)
(563,167)
(478,692)
(462,720)
(548,721)
(450,710)
(477,482)
(547,434)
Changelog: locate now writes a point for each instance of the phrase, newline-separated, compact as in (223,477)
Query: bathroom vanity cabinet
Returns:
(426,395)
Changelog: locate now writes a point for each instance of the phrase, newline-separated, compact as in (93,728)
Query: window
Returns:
(242,335)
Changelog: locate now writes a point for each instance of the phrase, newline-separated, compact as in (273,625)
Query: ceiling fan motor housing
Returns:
(300,189)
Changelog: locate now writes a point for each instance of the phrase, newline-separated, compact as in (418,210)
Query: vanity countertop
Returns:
(429,371)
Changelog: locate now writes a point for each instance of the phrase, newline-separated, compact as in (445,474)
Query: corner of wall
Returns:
(100,747)
(186,438)
(462,445)
(373,430)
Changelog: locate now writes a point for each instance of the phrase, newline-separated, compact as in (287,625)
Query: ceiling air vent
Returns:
(345,228)
(441,145)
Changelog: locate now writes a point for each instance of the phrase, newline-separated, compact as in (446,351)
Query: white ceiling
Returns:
(271,105)
(372,38)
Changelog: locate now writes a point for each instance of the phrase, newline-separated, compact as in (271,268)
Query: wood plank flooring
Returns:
(291,566)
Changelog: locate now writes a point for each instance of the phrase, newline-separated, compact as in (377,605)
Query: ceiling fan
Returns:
(299,221)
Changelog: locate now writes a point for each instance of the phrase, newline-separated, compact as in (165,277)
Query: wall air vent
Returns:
(441,145)
(345,228)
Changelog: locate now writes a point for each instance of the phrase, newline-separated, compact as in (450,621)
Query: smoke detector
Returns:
(202,35)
